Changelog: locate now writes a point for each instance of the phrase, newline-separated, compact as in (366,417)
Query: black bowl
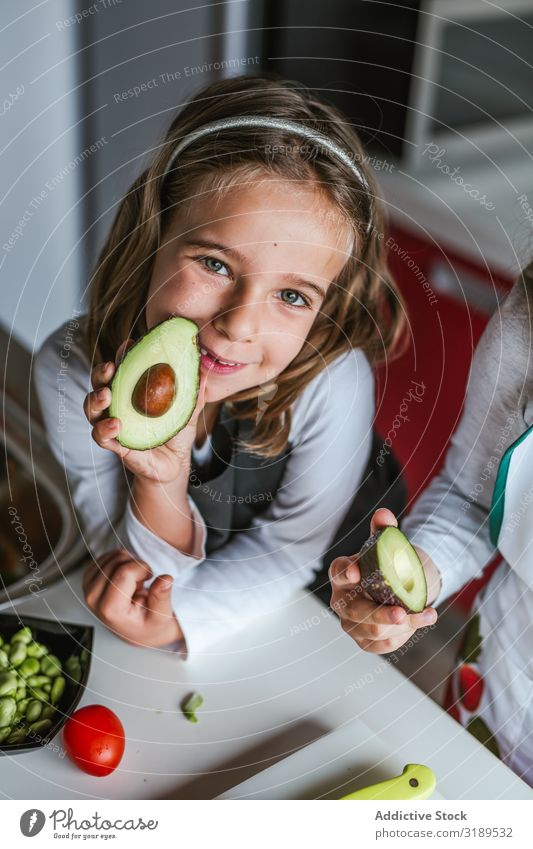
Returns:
(62,639)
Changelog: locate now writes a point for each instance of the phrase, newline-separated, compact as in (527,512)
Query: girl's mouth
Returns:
(212,363)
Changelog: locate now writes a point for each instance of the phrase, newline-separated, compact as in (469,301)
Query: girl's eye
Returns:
(293,298)
(214,265)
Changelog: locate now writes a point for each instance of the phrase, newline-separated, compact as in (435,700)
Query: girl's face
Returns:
(253,274)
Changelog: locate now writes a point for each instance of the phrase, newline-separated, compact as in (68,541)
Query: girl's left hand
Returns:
(164,464)
(114,591)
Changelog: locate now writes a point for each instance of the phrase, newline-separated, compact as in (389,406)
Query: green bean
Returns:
(4,659)
(30,667)
(8,709)
(18,735)
(51,666)
(38,680)
(37,693)
(37,650)
(4,732)
(17,653)
(58,688)
(24,636)
(42,725)
(34,710)
(23,704)
(73,668)
(48,711)
(8,683)
(20,694)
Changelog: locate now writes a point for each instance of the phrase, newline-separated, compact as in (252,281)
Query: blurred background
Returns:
(441,92)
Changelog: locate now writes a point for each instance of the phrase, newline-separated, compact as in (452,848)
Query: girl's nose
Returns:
(239,320)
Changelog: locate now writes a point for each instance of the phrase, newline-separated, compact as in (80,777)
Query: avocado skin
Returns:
(372,578)
(198,376)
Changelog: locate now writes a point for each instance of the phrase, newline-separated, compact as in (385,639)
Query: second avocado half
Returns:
(155,388)
(391,571)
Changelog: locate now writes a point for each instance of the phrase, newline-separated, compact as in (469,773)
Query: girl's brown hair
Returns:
(363,308)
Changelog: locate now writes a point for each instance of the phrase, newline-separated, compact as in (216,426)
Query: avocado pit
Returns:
(155,390)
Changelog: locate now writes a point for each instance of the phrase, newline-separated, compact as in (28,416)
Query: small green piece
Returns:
(17,654)
(48,712)
(24,636)
(18,735)
(42,725)
(8,709)
(4,732)
(471,647)
(483,734)
(4,659)
(190,705)
(37,693)
(8,683)
(22,705)
(29,667)
(73,668)
(58,688)
(37,650)
(34,710)
(38,680)
(51,666)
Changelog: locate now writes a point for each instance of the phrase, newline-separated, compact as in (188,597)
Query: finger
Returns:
(421,620)
(96,403)
(102,374)
(382,646)
(158,602)
(382,518)
(92,569)
(102,574)
(105,434)
(122,350)
(359,610)
(117,597)
(94,566)
(344,572)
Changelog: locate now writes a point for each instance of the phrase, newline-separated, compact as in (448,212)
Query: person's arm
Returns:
(260,568)
(449,522)
(98,483)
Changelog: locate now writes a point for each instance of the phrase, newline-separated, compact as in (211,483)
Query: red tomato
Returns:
(94,739)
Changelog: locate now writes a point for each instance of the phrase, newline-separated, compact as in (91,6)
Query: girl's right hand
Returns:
(163,464)
(377,628)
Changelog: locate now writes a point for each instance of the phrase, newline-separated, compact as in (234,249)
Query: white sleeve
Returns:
(259,569)
(450,520)
(97,481)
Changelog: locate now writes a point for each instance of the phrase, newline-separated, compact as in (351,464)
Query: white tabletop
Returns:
(267,692)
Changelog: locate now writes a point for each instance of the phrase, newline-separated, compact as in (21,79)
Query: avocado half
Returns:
(391,570)
(156,385)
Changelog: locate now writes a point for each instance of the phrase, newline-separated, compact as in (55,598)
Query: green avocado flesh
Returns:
(391,571)
(155,387)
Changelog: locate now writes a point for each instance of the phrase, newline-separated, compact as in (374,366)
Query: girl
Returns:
(270,240)
(479,505)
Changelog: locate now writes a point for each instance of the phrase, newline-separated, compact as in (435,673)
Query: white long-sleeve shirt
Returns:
(258,569)
(450,522)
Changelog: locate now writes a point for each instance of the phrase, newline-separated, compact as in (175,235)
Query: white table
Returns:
(267,692)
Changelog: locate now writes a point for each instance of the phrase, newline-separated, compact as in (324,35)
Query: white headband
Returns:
(263,121)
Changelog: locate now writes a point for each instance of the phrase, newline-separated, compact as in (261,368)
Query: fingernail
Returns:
(101,394)
(429,617)
(165,586)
